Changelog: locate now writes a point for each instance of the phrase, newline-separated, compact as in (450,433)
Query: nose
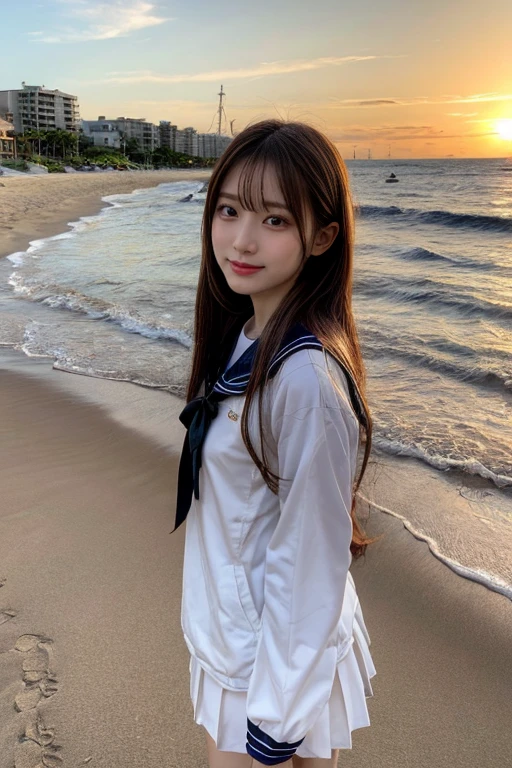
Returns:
(245,241)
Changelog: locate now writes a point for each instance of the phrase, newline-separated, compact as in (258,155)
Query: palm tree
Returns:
(50,137)
(33,135)
(22,142)
(68,142)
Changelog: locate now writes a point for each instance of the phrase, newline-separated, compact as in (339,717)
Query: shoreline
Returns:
(140,408)
(447,488)
(26,216)
(91,575)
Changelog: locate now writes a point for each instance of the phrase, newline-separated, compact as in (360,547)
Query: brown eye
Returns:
(283,221)
(220,207)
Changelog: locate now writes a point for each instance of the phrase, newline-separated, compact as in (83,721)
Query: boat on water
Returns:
(391,179)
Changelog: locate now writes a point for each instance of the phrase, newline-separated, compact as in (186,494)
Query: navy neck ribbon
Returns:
(199,413)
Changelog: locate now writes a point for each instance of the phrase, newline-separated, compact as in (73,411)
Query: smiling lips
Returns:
(243,269)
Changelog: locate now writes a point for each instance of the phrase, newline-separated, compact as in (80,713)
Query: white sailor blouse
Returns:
(268,601)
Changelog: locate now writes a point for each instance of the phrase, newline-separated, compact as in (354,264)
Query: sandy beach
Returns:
(37,206)
(93,666)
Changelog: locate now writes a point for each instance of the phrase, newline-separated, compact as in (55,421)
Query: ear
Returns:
(324,238)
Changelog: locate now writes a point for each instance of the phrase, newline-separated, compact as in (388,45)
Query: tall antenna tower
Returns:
(355,145)
(221,109)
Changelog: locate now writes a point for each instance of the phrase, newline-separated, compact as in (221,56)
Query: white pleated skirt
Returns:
(223,712)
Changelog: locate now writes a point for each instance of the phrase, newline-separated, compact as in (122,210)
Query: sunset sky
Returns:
(416,79)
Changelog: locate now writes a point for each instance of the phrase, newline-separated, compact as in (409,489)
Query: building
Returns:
(187,142)
(101,133)
(7,141)
(35,107)
(104,132)
(212,144)
(168,133)
(147,134)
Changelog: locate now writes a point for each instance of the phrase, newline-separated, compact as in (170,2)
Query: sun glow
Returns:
(504,128)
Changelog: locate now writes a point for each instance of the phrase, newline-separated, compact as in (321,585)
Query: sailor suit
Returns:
(280,661)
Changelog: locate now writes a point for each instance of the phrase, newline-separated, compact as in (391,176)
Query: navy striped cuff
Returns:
(265,750)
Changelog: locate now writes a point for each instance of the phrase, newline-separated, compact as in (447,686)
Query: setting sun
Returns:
(504,128)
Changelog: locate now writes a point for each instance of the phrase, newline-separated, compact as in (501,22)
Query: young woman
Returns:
(280,665)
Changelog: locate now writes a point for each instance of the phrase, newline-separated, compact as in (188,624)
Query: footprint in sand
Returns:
(39,680)
(36,747)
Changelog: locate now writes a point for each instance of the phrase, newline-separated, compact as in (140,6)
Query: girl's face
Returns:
(259,252)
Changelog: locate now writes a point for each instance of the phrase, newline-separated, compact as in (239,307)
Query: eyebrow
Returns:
(268,203)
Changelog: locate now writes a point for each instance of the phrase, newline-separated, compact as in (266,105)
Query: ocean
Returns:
(114,298)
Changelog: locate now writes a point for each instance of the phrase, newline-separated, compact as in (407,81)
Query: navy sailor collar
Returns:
(199,413)
(235,379)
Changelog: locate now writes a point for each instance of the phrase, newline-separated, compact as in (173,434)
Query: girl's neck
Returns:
(263,311)
(250,329)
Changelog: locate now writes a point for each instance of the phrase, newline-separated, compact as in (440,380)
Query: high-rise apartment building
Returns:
(168,134)
(211,144)
(186,141)
(37,107)
(189,142)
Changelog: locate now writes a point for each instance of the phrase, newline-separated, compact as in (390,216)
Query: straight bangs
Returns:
(291,185)
(253,166)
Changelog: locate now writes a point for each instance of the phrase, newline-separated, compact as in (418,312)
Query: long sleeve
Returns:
(306,566)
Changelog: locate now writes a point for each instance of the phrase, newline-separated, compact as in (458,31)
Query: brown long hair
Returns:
(312,177)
